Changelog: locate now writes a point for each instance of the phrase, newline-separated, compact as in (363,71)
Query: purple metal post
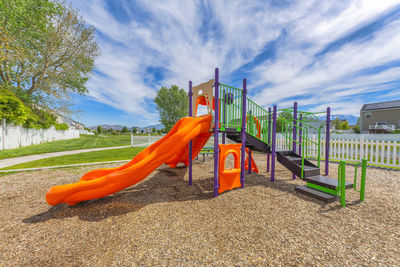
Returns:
(249,161)
(223,134)
(243,133)
(294,131)
(273,144)
(269,137)
(300,132)
(328,134)
(216,130)
(190,143)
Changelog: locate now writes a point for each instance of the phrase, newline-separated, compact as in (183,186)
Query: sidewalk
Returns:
(13,161)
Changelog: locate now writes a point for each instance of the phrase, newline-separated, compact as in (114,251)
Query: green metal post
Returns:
(363,177)
(319,147)
(342,181)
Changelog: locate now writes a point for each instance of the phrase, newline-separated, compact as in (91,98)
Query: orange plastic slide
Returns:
(171,149)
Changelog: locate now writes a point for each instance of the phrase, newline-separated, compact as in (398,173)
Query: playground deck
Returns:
(163,221)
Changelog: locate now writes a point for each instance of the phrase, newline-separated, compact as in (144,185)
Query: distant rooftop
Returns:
(381,105)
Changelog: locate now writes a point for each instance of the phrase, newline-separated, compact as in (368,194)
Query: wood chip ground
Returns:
(164,222)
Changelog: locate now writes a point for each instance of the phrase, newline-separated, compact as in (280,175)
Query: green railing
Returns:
(287,133)
(304,133)
(257,121)
(309,143)
(230,103)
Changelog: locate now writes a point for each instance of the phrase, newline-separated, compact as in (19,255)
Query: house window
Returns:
(381,123)
(368,115)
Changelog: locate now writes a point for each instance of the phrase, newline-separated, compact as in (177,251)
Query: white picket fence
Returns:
(13,136)
(380,153)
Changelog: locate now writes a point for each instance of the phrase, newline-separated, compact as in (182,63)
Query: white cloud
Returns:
(170,38)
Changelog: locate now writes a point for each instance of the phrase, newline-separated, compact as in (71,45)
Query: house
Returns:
(382,117)
(71,123)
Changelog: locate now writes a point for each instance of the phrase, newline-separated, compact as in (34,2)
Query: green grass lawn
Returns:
(87,157)
(85,141)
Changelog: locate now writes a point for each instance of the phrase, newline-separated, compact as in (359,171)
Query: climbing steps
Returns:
(328,198)
(293,162)
(320,187)
(325,181)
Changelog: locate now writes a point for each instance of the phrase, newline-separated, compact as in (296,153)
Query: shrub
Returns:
(13,109)
(61,126)
(356,129)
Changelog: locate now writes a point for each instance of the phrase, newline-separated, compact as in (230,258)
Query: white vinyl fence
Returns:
(13,136)
(377,152)
(85,132)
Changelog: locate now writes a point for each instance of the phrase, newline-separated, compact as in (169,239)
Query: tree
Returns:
(99,130)
(283,118)
(172,104)
(134,129)
(124,130)
(154,129)
(344,125)
(47,51)
(336,122)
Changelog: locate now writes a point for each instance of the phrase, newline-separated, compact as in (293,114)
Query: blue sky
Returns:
(320,53)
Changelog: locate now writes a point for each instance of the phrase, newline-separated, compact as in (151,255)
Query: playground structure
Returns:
(236,117)
(241,120)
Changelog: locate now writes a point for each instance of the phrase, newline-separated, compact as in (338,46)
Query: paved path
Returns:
(13,161)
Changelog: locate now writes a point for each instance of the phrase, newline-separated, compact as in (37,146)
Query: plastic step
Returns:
(251,142)
(292,162)
(316,194)
(325,181)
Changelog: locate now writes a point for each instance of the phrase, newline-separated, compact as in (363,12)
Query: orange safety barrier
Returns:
(254,167)
(229,178)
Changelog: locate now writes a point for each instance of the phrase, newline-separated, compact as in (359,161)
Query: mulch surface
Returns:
(163,221)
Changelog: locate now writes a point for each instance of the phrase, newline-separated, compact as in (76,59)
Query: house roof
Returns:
(381,105)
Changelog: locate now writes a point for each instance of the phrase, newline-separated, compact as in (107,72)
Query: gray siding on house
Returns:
(390,116)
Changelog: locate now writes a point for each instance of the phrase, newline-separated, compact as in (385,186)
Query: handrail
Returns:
(231,116)
(363,163)
(341,189)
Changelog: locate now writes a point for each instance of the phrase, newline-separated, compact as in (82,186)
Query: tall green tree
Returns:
(124,130)
(46,51)
(99,130)
(344,125)
(283,118)
(337,123)
(172,104)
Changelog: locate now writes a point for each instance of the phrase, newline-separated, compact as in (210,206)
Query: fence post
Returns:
(3,132)
(243,134)
(328,133)
(149,138)
(190,142)
(131,140)
(362,147)
(216,131)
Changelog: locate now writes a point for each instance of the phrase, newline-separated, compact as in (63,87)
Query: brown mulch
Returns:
(163,221)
